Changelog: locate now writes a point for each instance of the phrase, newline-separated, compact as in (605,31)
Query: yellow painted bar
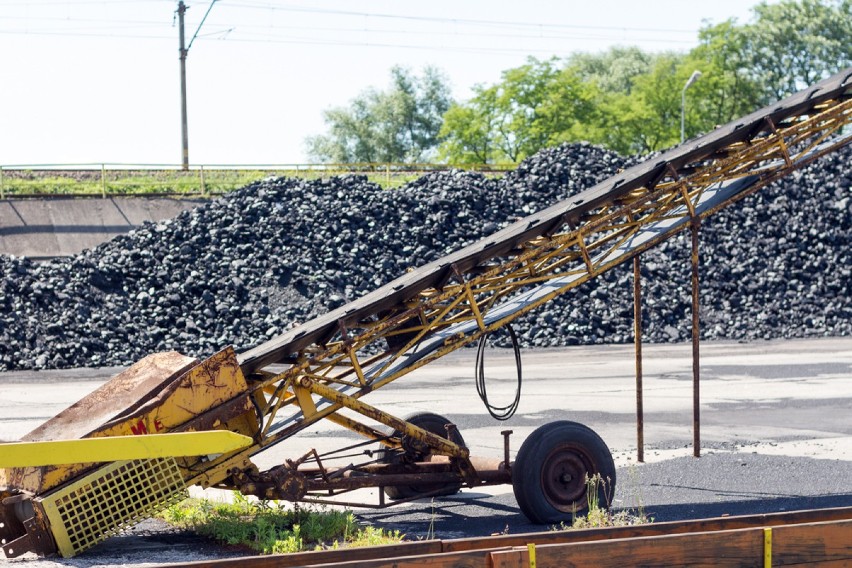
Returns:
(767,547)
(115,448)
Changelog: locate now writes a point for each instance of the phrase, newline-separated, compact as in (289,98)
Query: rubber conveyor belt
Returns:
(679,161)
(710,199)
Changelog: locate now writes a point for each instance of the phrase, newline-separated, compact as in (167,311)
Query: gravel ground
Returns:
(720,483)
(717,484)
(775,430)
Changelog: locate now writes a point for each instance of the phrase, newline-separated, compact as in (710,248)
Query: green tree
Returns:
(467,133)
(794,43)
(647,118)
(786,47)
(520,96)
(397,125)
(727,88)
(614,70)
(630,101)
(535,105)
(571,112)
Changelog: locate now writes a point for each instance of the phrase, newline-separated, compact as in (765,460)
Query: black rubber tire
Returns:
(550,471)
(434,423)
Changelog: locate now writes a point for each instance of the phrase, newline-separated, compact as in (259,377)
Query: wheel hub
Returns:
(564,479)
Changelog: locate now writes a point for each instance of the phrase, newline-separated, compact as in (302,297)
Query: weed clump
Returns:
(270,528)
(599,516)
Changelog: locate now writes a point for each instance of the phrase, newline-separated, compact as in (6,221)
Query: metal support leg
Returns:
(637,334)
(696,400)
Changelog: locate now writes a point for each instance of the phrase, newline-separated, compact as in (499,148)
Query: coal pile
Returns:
(245,267)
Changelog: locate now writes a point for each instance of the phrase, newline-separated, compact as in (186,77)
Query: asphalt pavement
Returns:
(775,434)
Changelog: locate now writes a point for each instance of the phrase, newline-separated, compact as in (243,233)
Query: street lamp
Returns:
(692,78)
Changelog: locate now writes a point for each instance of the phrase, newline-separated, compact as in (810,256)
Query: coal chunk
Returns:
(247,266)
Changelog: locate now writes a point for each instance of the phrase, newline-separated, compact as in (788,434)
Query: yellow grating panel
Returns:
(109,500)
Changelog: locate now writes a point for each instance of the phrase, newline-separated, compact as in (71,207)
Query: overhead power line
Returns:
(204,19)
(211,36)
(538,37)
(263,6)
(31,4)
(546,32)
(551,27)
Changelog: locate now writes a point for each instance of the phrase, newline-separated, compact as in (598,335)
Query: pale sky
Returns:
(86,81)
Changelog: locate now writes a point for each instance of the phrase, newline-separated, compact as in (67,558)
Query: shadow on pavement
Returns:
(455,517)
(685,511)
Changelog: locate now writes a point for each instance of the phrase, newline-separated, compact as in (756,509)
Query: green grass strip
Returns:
(270,527)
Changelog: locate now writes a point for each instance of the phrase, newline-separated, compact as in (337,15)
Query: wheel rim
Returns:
(563,478)
(433,423)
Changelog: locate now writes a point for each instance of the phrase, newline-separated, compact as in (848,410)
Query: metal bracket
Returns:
(37,539)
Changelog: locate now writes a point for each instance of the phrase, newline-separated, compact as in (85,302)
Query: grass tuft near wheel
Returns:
(550,472)
(436,424)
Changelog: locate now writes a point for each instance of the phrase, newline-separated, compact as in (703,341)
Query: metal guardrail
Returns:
(200,179)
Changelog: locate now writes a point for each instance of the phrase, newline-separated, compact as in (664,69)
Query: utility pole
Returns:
(184,51)
(184,130)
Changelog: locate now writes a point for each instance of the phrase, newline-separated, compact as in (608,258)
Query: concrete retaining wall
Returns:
(62,226)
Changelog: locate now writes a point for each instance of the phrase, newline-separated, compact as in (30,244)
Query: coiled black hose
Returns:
(498,412)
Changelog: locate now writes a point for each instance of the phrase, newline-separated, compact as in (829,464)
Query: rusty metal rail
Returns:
(801,538)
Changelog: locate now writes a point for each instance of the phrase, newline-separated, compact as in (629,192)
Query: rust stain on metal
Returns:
(696,328)
(183,389)
(122,394)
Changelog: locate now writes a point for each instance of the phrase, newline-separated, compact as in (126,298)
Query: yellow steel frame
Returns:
(95,450)
(116,496)
(584,250)
(205,387)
